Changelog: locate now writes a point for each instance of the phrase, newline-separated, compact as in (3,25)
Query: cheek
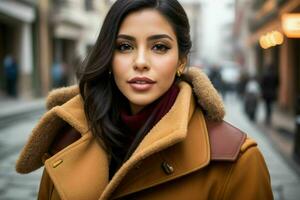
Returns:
(166,66)
(120,64)
(118,70)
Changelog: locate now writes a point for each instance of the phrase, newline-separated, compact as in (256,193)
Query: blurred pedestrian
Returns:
(137,127)
(251,98)
(11,75)
(269,86)
(215,77)
(57,74)
(243,80)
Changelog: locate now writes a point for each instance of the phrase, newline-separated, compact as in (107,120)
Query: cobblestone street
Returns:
(285,181)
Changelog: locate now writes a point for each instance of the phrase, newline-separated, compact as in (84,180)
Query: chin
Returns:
(142,100)
(141,103)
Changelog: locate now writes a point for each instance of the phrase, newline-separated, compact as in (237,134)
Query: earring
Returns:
(178,73)
(109,72)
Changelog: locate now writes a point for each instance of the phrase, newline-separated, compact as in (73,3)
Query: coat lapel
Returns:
(79,171)
(170,130)
(180,157)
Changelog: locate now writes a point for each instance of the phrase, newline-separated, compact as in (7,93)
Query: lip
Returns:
(144,80)
(141,84)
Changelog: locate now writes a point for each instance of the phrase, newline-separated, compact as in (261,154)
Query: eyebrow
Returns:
(153,37)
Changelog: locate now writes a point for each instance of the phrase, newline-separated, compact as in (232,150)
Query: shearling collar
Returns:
(72,112)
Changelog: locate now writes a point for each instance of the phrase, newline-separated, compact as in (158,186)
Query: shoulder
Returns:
(227,142)
(249,169)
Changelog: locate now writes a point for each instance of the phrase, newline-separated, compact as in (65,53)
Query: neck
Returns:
(135,108)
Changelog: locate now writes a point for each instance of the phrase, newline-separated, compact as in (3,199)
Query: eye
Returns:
(124,47)
(160,48)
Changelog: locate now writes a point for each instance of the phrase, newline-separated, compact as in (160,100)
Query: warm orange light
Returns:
(263,43)
(291,25)
(278,37)
(271,39)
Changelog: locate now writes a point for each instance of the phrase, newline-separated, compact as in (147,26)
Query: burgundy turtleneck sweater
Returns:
(156,110)
(138,125)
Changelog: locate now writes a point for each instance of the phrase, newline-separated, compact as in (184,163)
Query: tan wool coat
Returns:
(190,154)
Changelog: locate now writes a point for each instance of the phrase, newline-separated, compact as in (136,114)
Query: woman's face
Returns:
(146,58)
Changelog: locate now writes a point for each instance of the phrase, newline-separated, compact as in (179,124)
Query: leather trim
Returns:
(225,140)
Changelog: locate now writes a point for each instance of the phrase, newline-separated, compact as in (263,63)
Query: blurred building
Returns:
(243,53)
(193,9)
(71,27)
(217,23)
(75,26)
(18,22)
(266,19)
(256,22)
(42,34)
(268,33)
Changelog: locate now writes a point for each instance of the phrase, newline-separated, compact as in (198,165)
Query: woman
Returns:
(139,129)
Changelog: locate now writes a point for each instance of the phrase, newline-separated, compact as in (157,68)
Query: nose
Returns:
(141,60)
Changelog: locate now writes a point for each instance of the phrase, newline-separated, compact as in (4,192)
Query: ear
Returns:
(182,64)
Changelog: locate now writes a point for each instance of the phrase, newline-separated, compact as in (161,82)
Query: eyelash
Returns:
(119,47)
(161,48)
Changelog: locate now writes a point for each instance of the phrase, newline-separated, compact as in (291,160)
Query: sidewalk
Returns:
(281,134)
(12,110)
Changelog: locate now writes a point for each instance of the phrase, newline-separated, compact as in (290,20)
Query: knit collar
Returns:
(157,109)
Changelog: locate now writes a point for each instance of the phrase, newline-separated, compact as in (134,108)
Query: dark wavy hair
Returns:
(100,94)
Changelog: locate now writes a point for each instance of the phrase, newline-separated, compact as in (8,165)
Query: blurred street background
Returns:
(250,49)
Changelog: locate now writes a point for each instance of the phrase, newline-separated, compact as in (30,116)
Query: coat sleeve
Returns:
(249,178)
(47,189)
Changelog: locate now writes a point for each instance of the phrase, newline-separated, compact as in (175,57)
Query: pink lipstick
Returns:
(141,83)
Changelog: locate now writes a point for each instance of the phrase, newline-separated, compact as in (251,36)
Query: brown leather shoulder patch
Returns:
(225,140)
(67,136)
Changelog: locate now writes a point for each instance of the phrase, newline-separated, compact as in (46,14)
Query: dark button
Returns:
(168,169)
